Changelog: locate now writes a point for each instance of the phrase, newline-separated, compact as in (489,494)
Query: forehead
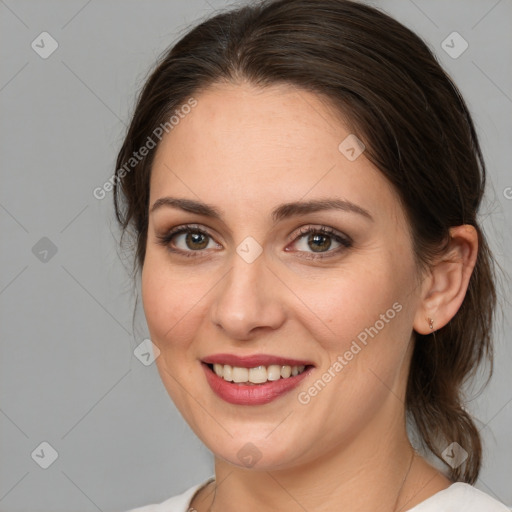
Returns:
(262,145)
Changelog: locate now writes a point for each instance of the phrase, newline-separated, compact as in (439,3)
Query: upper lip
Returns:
(253,360)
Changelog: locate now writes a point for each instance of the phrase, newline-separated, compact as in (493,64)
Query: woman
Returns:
(303,180)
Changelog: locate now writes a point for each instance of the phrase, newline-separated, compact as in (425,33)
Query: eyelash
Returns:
(345,242)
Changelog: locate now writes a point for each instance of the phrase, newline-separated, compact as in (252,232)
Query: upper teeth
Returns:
(256,375)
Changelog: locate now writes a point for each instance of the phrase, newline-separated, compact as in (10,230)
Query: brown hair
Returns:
(417,130)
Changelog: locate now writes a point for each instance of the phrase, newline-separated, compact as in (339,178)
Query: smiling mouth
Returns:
(256,375)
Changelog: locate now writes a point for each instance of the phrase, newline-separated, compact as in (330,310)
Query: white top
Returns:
(459,497)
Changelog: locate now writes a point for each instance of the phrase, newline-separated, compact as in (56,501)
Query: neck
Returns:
(371,474)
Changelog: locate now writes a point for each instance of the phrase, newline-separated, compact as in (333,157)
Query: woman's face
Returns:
(256,174)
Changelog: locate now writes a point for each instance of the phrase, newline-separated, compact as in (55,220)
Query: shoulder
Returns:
(178,503)
(460,497)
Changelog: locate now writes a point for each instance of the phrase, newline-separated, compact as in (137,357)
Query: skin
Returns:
(246,150)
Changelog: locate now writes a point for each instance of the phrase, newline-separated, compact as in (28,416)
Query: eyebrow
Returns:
(283,211)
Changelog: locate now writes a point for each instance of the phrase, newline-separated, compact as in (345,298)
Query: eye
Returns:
(187,240)
(319,240)
(315,242)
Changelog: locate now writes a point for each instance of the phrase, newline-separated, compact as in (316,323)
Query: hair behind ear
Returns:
(441,364)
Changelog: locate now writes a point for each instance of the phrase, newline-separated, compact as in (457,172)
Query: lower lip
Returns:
(257,394)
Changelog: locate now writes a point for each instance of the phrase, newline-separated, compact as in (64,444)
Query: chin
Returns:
(258,453)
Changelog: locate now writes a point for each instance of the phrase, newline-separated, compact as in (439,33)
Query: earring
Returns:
(431,324)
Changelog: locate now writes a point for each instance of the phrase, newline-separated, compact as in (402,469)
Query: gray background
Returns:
(68,373)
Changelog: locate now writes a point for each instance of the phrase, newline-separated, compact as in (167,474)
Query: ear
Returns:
(445,288)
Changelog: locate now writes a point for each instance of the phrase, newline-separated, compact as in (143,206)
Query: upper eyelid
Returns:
(308,228)
(296,232)
(183,229)
(295,235)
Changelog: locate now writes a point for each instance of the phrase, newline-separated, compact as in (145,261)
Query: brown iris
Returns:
(314,245)
(196,241)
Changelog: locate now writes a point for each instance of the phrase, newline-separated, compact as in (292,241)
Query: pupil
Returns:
(198,240)
(314,239)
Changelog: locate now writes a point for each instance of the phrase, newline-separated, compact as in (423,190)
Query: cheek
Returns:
(348,303)
(171,305)
(173,311)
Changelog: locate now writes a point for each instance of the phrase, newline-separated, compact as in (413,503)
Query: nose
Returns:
(248,300)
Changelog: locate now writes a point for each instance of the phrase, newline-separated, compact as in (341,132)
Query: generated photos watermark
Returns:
(151,143)
(342,360)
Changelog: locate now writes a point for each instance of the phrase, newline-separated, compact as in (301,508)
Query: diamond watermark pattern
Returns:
(249,249)
(454,45)
(44,250)
(44,45)
(351,147)
(454,455)
(249,455)
(146,352)
(44,455)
